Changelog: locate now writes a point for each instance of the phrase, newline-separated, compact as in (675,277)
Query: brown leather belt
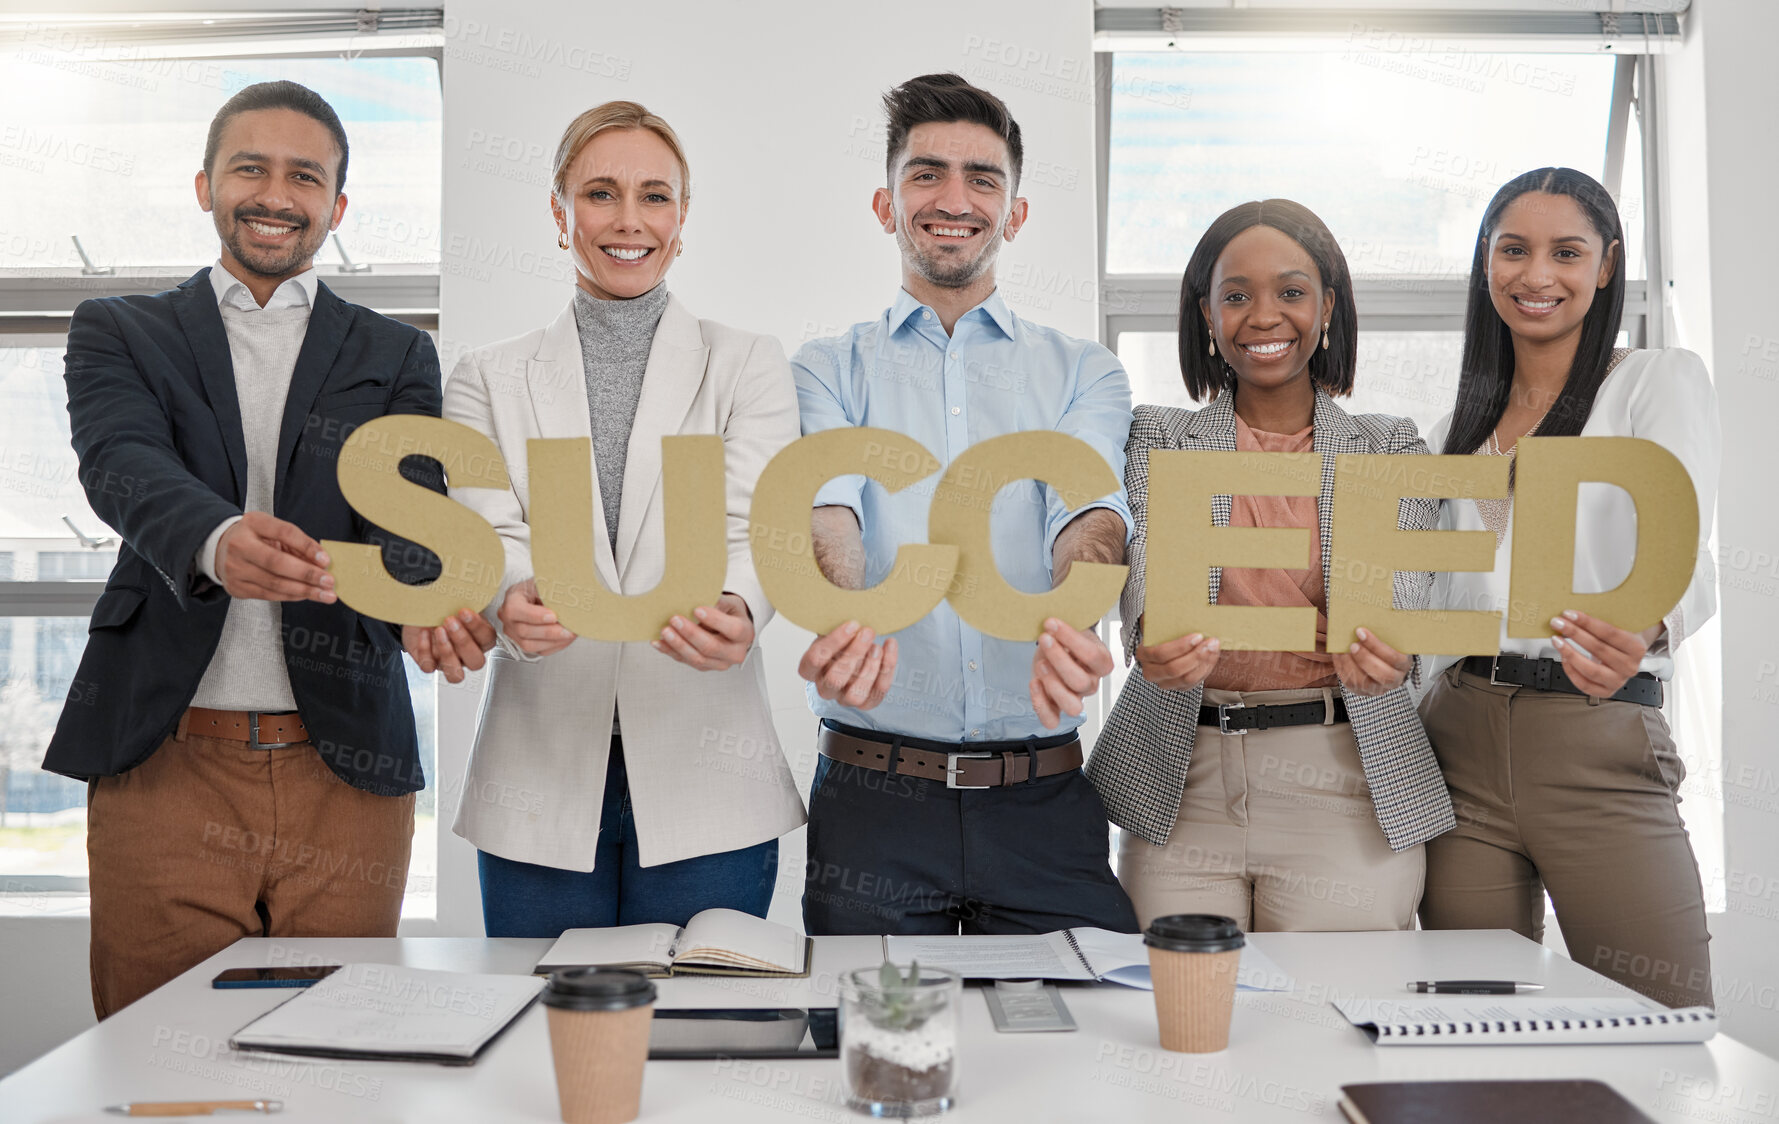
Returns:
(258,729)
(1008,763)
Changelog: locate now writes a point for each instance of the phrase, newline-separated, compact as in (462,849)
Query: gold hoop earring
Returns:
(1213,351)
(562,240)
(1324,337)
(681,251)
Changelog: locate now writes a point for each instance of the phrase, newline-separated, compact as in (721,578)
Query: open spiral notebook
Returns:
(1522,1021)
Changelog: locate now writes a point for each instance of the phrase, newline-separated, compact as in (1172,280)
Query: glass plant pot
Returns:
(898,1039)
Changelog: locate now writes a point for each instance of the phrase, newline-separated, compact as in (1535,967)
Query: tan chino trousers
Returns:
(210,840)
(1555,792)
(1277,830)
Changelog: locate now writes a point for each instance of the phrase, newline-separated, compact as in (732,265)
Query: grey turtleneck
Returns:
(615,340)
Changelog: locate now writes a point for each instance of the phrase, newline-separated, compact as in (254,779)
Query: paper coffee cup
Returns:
(599,1040)
(1193,958)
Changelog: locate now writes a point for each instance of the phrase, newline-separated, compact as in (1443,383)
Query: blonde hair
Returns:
(615,115)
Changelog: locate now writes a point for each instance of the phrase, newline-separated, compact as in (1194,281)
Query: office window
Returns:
(107,150)
(1398,156)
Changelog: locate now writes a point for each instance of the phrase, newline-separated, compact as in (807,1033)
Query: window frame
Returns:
(37,304)
(1150,302)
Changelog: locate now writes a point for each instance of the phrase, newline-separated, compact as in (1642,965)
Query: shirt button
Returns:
(972,665)
(957,409)
(975,733)
(926,314)
(954,355)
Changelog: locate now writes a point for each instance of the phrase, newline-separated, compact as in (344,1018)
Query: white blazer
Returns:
(705,767)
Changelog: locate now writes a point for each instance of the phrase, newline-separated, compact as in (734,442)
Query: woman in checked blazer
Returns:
(1288,790)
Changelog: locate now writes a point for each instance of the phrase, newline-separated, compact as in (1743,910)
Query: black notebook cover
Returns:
(1488,1102)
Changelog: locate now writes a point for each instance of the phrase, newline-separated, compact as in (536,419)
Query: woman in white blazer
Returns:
(624,783)
(1555,750)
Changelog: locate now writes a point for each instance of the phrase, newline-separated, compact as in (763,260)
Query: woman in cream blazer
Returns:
(680,807)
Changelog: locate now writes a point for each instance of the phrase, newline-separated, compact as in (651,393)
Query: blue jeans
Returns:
(527,900)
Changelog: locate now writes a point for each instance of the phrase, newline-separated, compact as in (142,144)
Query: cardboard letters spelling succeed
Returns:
(1366,551)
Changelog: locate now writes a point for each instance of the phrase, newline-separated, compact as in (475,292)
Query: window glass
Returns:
(1398,152)
(107,151)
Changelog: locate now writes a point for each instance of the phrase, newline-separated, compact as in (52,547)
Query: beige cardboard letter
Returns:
(1551,471)
(1369,546)
(961,513)
(468,548)
(1184,545)
(784,555)
(562,530)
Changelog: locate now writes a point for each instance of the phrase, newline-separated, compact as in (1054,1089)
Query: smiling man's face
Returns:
(272,192)
(951,203)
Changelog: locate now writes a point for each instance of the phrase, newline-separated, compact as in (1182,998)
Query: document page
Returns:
(622,946)
(730,938)
(1122,958)
(1047,957)
(387,1009)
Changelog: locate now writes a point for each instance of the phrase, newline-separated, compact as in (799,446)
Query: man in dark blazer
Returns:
(247,738)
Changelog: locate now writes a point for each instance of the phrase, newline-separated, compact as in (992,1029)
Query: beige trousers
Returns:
(1277,830)
(1555,792)
(209,841)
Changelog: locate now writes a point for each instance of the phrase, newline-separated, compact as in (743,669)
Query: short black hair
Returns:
(278,95)
(942,98)
(1331,368)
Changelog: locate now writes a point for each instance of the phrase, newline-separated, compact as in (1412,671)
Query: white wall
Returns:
(778,107)
(1722,113)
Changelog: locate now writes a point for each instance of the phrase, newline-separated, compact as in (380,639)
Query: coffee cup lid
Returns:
(1194,932)
(598,989)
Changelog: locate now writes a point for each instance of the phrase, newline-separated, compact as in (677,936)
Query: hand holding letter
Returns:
(845,666)
(453,647)
(530,624)
(1066,668)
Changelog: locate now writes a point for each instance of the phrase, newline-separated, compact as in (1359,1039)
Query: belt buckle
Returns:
(1494,663)
(1223,717)
(951,760)
(253,733)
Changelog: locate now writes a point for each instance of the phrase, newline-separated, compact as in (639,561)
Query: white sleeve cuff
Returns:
(207,552)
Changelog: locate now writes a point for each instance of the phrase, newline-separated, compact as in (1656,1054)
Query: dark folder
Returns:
(1487,1102)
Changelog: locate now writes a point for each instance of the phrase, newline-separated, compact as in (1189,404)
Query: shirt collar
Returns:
(292,292)
(992,308)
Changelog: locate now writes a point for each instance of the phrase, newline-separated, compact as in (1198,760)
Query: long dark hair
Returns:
(1331,368)
(1486,370)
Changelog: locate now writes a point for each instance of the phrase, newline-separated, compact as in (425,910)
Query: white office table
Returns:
(1289,1052)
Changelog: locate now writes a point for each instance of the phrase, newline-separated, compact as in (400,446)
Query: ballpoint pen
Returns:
(1471,987)
(192,1108)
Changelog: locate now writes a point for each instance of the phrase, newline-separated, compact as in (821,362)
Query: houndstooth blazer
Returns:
(1139,760)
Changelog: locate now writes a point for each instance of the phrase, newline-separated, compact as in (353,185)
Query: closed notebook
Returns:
(1487,1102)
(715,942)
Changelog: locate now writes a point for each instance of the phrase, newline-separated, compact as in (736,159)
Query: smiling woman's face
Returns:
(1266,307)
(1546,262)
(622,210)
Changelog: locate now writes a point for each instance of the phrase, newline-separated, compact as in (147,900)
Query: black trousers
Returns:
(899,854)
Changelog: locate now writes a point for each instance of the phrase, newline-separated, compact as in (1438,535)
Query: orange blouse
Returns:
(1276,671)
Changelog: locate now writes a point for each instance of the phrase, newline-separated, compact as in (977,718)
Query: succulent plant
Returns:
(898,1002)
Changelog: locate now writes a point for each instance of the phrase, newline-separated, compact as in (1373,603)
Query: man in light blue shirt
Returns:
(949,788)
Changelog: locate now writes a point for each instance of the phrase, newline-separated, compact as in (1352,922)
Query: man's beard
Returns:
(269,262)
(949,275)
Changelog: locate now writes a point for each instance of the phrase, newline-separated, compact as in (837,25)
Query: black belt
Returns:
(1642,688)
(1239,718)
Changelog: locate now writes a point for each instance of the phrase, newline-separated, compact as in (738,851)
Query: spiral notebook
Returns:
(1523,1021)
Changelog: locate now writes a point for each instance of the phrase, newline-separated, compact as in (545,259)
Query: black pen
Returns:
(1471,987)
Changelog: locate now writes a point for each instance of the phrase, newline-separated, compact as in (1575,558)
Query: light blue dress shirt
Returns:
(996,374)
